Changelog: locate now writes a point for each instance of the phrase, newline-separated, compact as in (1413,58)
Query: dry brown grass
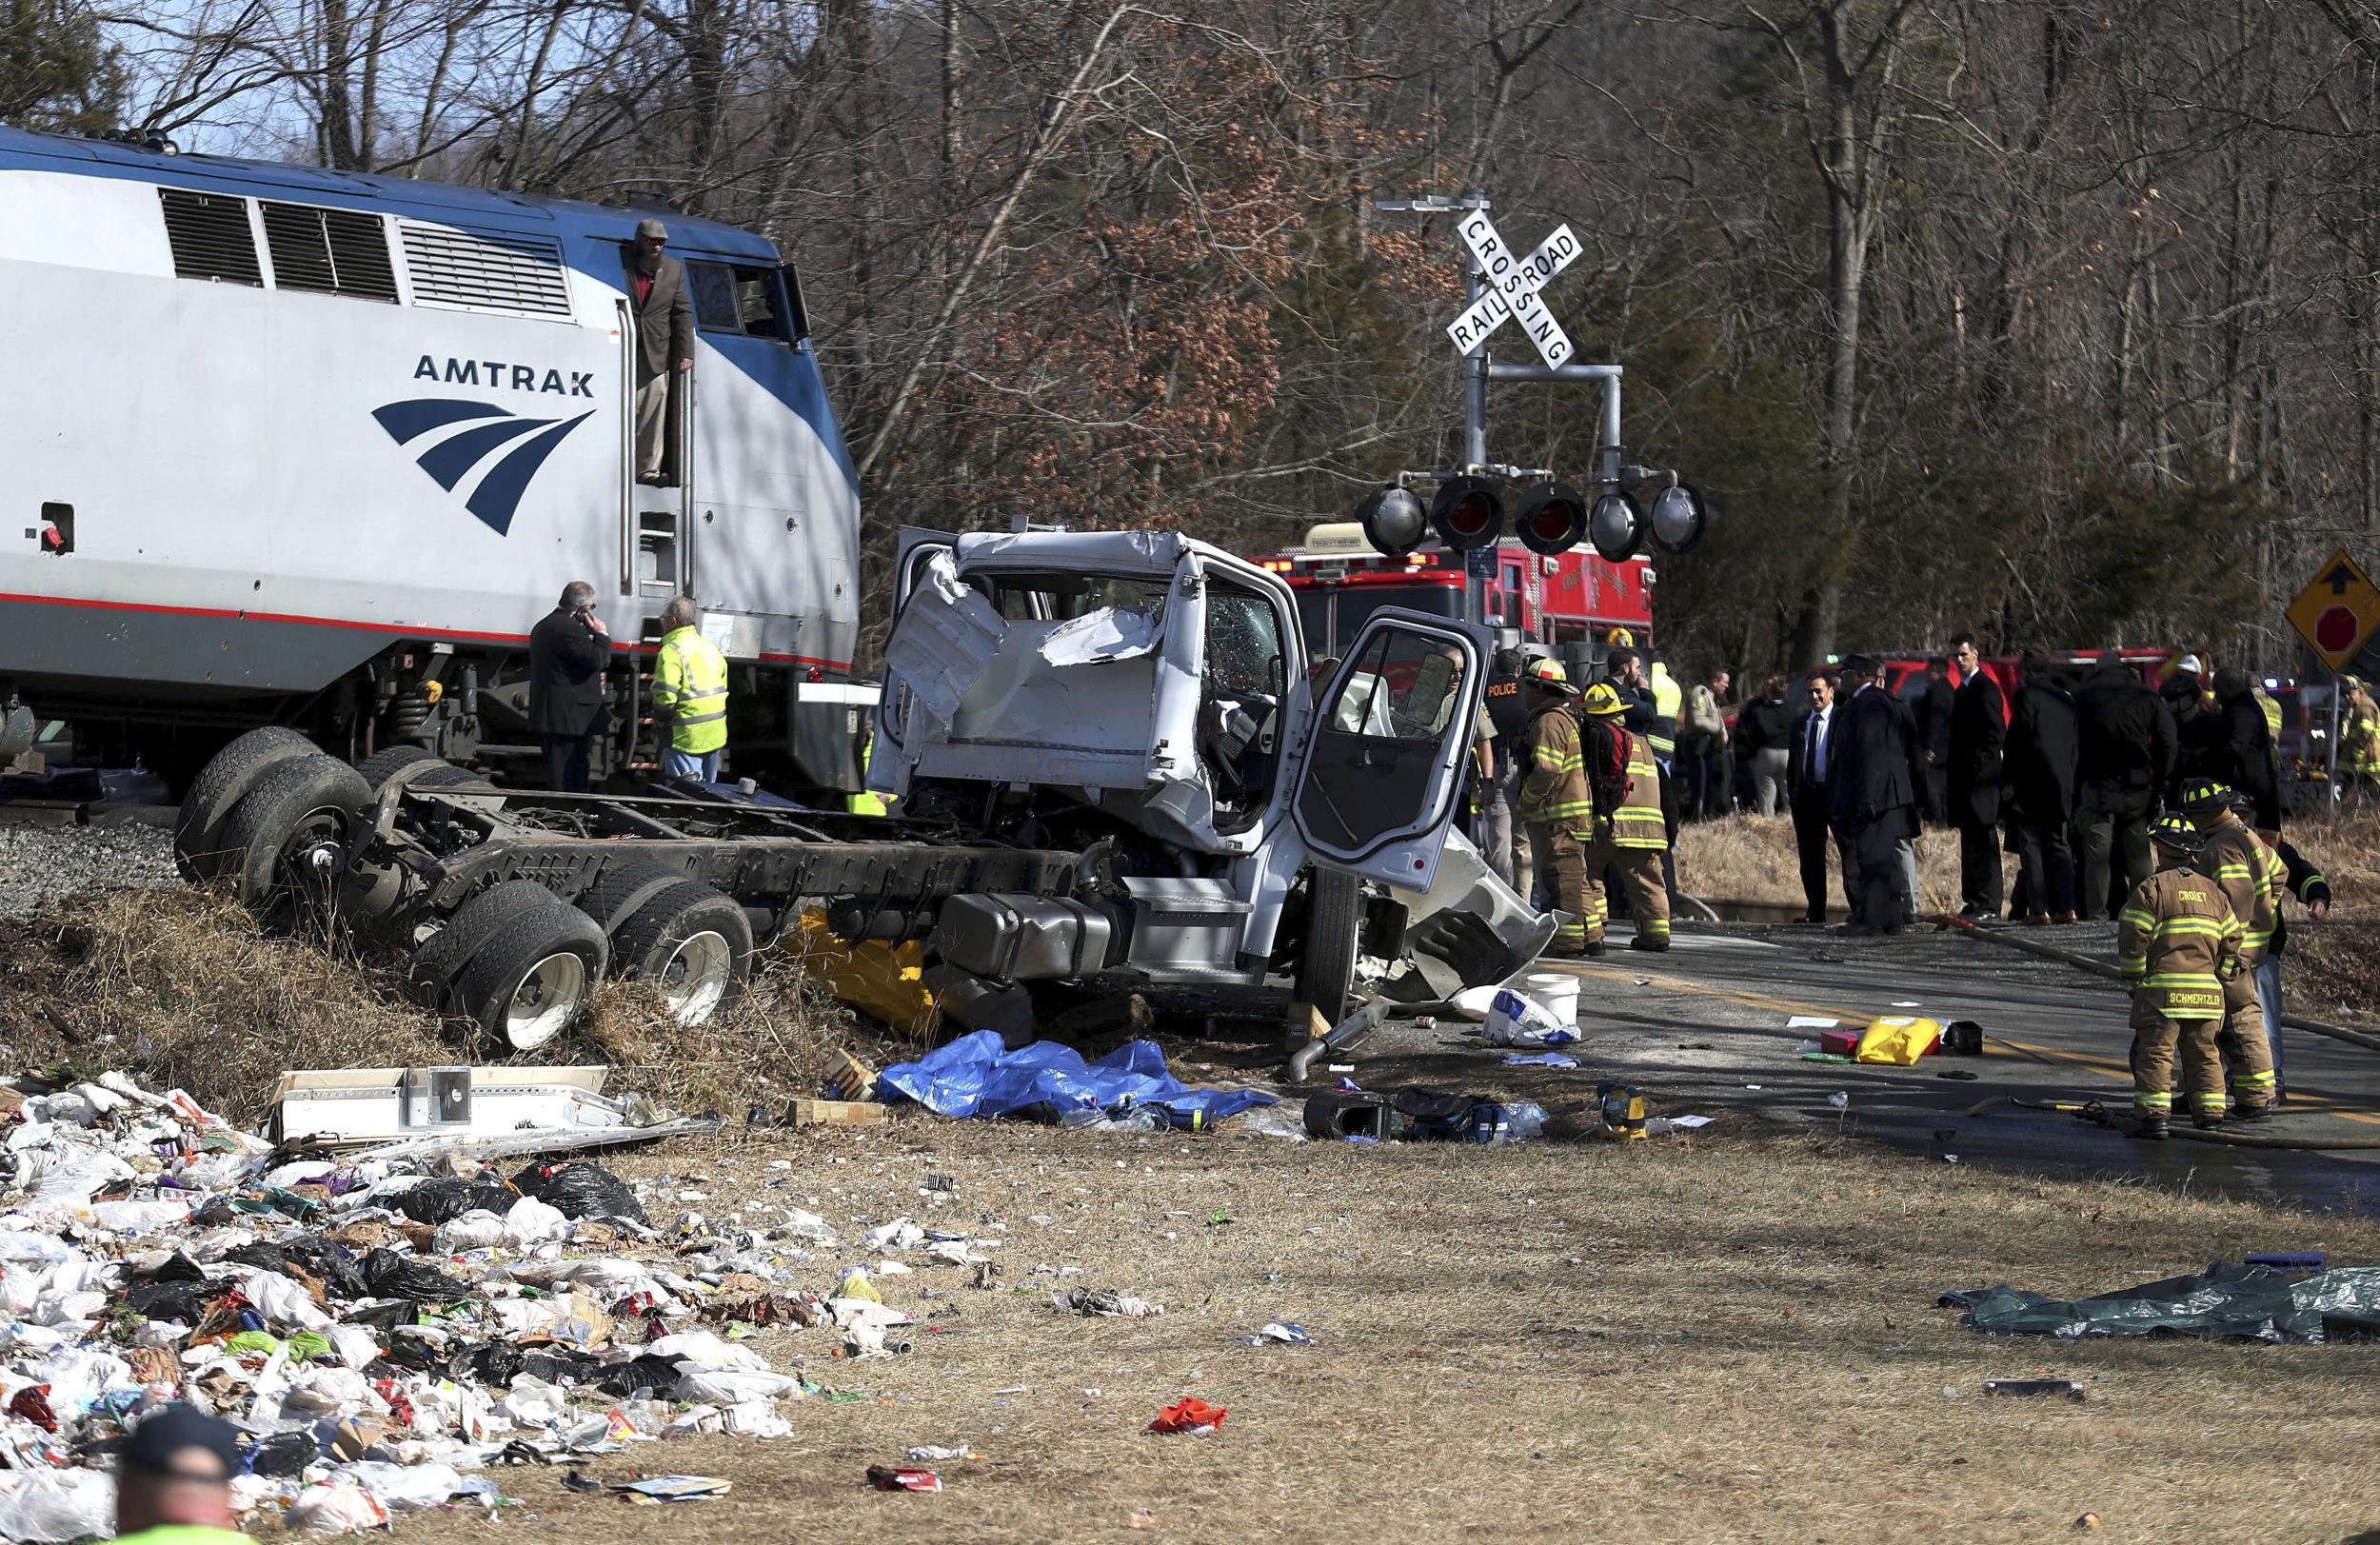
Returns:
(1732,1339)
(1750,858)
(181,988)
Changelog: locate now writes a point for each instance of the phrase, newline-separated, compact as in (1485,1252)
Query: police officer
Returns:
(2178,946)
(2254,878)
(1561,812)
(1630,837)
(690,689)
(1509,716)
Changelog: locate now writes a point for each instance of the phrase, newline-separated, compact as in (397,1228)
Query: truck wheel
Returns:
(620,892)
(382,766)
(278,839)
(198,827)
(693,942)
(531,979)
(454,778)
(1326,970)
(439,959)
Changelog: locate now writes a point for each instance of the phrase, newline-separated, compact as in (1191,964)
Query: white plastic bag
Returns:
(57,1505)
(340,1508)
(706,1350)
(475,1230)
(532,1222)
(730,1386)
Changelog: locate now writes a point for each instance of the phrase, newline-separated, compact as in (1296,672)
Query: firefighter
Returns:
(2254,878)
(690,690)
(1560,811)
(2178,946)
(1629,836)
(2359,736)
(2313,891)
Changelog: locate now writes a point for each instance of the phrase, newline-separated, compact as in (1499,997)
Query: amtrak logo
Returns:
(517,445)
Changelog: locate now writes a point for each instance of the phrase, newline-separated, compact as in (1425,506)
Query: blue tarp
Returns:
(977,1075)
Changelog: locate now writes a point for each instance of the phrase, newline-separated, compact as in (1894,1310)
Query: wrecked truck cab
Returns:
(1145,697)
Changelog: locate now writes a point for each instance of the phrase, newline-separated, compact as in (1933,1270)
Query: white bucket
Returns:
(1557,991)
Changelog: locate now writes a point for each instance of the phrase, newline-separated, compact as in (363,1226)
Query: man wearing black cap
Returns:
(664,333)
(173,1480)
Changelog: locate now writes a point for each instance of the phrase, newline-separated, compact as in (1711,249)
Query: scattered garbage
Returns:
(1897,1039)
(978,1076)
(1103,1303)
(652,1490)
(1840,1099)
(1351,1115)
(2034,1389)
(885,1477)
(1622,1106)
(1516,1020)
(1276,1333)
(937,1454)
(1539,1060)
(1189,1415)
(2249,1302)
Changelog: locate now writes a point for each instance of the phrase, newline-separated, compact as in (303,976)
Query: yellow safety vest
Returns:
(867,802)
(1638,821)
(691,686)
(2272,726)
(1667,697)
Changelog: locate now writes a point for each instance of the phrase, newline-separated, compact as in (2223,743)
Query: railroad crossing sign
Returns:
(1513,283)
(2338,612)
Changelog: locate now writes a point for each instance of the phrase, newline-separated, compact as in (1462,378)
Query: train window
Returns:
(211,237)
(732,298)
(329,252)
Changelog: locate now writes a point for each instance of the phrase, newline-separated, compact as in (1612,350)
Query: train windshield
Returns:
(1332,615)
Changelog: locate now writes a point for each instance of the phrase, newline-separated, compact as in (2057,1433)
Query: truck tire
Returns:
(620,892)
(272,836)
(1326,969)
(382,766)
(693,943)
(198,827)
(439,959)
(453,779)
(532,978)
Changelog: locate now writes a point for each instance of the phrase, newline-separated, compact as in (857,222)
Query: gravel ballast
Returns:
(44,863)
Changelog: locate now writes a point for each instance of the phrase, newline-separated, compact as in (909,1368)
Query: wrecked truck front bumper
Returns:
(1470,929)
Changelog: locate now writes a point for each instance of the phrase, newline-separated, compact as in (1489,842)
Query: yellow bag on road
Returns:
(1897,1040)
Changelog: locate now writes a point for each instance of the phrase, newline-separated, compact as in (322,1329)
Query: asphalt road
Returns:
(1705,1029)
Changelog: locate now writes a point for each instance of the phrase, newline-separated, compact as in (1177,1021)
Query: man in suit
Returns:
(2254,767)
(1873,790)
(2038,772)
(1978,724)
(664,341)
(568,648)
(2125,758)
(1809,762)
(1934,737)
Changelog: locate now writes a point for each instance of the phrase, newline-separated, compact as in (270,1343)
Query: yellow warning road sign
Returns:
(2338,612)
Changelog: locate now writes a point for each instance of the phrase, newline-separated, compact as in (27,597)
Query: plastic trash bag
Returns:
(340,1508)
(1897,1040)
(59,1505)
(445,1198)
(469,1231)
(391,1275)
(977,1075)
(282,1453)
(2252,1302)
(730,1386)
(532,1222)
(579,1190)
(1516,1020)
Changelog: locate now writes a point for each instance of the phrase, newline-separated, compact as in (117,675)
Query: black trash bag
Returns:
(284,1453)
(408,1350)
(579,1190)
(178,1268)
(185,1302)
(260,1252)
(389,1274)
(328,1262)
(562,1365)
(384,1317)
(445,1199)
(491,1362)
(622,1379)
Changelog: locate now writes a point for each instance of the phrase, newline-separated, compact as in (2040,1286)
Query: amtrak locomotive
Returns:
(312,447)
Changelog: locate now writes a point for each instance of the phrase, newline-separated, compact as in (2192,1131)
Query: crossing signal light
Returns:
(1552,519)
(1616,526)
(1679,518)
(1468,513)
(1392,522)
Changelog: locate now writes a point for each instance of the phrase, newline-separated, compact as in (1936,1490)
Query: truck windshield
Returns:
(1060,598)
(1332,615)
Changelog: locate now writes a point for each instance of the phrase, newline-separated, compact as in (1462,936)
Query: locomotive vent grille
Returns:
(332,251)
(519,275)
(211,237)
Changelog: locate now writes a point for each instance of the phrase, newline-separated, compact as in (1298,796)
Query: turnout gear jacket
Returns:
(1636,821)
(1554,793)
(691,686)
(2252,878)
(2177,944)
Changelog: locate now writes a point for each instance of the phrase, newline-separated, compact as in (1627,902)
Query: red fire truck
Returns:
(1574,598)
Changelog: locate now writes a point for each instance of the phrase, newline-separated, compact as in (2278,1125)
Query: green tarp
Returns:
(2255,1302)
